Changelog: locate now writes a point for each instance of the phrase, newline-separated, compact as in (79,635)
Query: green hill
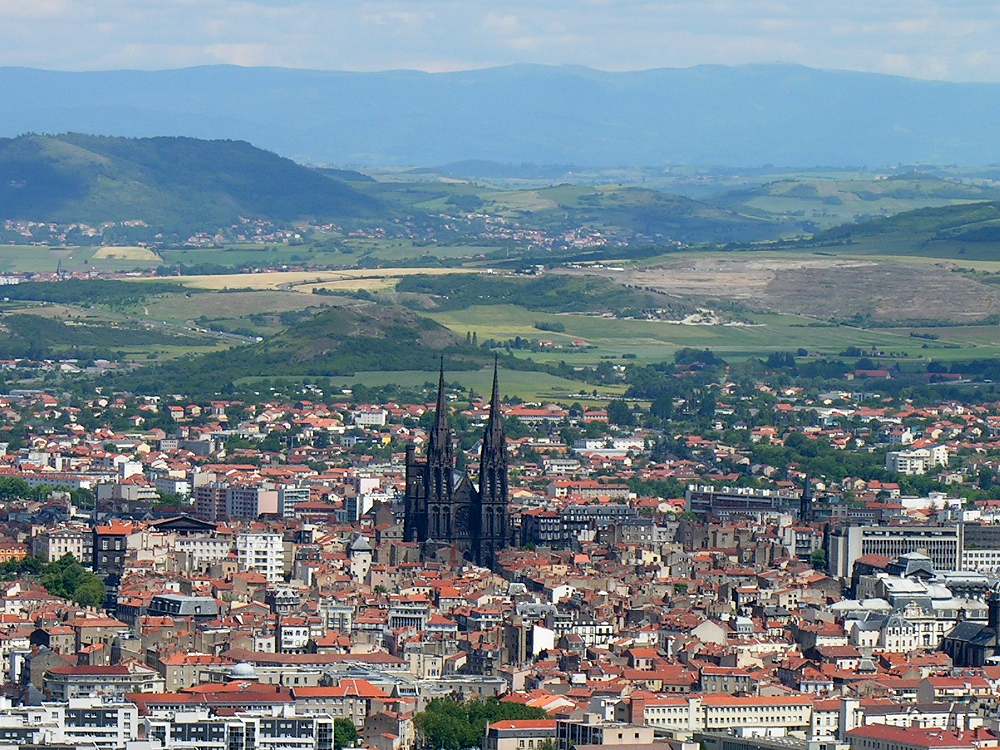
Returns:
(553,293)
(634,209)
(827,203)
(339,341)
(169,183)
(966,223)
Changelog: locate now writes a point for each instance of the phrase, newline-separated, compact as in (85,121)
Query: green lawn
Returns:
(536,386)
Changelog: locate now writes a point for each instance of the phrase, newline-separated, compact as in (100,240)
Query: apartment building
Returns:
(277,728)
(682,716)
(79,722)
(590,729)
(520,734)
(264,553)
(916,460)
(55,544)
(250,501)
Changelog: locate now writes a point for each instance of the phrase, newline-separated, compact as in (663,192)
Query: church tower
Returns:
(806,502)
(444,512)
(493,489)
(439,482)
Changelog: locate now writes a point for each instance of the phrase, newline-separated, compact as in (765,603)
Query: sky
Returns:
(956,40)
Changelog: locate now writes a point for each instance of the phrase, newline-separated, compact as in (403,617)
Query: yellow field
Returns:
(109,252)
(352,285)
(360,278)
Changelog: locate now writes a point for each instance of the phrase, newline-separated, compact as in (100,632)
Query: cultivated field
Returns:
(307,280)
(42,259)
(653,341)
(112,252)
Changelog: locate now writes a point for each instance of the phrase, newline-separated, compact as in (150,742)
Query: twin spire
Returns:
(441,433)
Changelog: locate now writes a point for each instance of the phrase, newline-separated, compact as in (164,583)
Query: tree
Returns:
(453,725)
(662,406)
(818,559)
(986,478)
(68,579)
(344,733)
(620,413)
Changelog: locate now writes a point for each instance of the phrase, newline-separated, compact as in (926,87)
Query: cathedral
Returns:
(445,511)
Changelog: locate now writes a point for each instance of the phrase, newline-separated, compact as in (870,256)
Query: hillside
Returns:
(827,202)
(338,341)
(740,116)
(650,213)
(975,224)
(551,293)
(169,183)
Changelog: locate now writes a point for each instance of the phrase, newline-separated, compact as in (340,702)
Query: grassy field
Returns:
(533,386)
(360,278)
(179,307)
(398,250)
(41,259)
(651,341)
(112,252)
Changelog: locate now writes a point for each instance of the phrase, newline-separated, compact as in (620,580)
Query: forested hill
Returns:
(173,183)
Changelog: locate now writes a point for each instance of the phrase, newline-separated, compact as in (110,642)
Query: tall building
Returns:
(264,553)
(443,508)
(943,544)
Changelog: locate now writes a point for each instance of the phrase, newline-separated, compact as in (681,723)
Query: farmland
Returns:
(345,280)
(600,338)
(528,385)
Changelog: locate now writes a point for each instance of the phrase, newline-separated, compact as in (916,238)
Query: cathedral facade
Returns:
(444,510)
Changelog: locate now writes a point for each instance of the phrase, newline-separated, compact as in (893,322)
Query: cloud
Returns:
(952,39)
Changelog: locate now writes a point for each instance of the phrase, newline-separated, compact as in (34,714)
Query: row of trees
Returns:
(65,578)
(449,724)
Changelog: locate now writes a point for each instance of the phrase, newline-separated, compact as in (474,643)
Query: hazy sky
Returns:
(947,39)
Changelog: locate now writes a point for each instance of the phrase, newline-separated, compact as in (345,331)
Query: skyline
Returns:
(931,39)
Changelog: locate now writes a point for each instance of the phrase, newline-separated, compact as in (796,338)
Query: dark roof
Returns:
(972,632)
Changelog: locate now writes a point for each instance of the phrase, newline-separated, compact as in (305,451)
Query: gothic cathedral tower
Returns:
(444,510)
(493,491)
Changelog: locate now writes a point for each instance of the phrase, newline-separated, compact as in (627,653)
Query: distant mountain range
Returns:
(167,182)
(709,115)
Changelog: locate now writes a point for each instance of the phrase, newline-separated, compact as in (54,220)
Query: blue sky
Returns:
(940,39)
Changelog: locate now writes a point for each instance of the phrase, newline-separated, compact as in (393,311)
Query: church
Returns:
(445,512)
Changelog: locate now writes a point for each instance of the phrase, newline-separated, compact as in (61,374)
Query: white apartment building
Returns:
(172,486)
(79,722)
(264,553)
(202,551)
(289,498)
(917,460)
(279,728)
(54,544)
(682,716)
(370,416)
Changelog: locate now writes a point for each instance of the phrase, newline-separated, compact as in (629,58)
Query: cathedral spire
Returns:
(493,455)
(440,449)
(441,415)
(495,424)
